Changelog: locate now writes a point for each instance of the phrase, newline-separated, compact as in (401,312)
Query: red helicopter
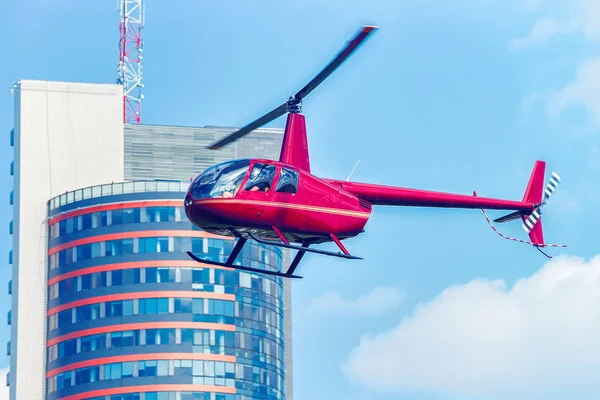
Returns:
(280,203)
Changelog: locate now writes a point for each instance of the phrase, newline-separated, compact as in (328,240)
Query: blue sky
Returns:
(453,96)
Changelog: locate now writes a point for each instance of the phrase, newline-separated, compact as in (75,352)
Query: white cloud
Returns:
(376,302)
(4,390)
(583,17)
(543,30)
(583,90)
(484,339)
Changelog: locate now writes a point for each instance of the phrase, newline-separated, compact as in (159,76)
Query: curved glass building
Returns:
(132,317)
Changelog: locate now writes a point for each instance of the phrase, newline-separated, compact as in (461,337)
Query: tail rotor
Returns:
(530,222)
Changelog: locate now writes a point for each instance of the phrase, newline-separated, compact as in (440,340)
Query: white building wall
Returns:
(67,136)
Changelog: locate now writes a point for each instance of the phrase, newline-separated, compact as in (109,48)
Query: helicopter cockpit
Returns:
(220,181)
(224,180)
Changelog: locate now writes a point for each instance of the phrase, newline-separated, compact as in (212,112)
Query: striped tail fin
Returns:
(532,223)
(537,195)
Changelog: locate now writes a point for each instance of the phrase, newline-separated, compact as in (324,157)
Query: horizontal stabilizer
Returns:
(509,217)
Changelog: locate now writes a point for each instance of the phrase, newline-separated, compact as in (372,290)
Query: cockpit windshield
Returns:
(221,181)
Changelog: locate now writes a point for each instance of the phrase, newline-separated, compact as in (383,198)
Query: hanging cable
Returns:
(537,245)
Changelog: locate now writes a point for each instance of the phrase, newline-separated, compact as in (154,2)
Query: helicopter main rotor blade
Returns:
(276,113)
(342,56)
(282,109)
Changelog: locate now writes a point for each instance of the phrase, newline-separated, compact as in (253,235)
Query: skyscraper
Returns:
(130,316)
(71,147)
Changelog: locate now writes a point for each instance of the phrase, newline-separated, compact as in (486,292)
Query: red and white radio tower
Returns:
(130,59)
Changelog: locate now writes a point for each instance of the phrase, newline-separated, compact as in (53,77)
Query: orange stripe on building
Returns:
(141,325)
(131,265)
(151,388)
(141,295)
(141,357)
(133,234)
(114,206)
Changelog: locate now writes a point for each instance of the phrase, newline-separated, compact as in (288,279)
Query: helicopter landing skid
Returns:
(241,267)
(290,272)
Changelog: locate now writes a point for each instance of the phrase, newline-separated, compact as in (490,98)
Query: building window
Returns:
(121,247)
(220,281)
(122,216)
(208,369)
(160,214)
(221,311)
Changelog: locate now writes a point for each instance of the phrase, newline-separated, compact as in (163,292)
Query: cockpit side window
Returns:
(260,178)
(288,181)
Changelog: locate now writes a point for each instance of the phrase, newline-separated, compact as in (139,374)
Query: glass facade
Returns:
(132,317)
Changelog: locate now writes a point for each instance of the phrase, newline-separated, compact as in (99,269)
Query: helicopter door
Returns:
(285,194)
(257,190)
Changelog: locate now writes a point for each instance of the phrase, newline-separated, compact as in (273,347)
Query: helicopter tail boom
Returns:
(379,195)
(528,209)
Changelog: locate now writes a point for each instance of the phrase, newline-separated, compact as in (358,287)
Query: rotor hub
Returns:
(294,105)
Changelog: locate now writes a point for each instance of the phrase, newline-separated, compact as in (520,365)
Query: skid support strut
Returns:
(236,250)
(303,248)
(297,259)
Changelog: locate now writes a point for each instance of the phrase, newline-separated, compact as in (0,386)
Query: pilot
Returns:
(256,188)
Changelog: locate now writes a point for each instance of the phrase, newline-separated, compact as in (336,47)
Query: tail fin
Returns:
(535,187)
(533,193)
(536,196)
(532,223)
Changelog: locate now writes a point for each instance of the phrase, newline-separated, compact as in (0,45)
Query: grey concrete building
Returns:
(180,153)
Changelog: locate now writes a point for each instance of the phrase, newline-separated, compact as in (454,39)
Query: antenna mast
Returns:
(130,59)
